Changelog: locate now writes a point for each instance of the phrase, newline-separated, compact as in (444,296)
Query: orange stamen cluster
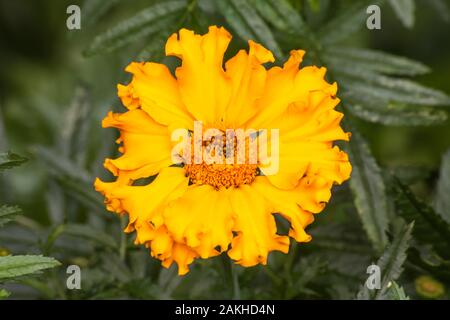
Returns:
(222,174)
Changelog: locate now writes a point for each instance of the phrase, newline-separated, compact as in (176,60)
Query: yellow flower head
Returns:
(214,191)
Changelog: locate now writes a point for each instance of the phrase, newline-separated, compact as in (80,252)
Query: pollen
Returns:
(222,173)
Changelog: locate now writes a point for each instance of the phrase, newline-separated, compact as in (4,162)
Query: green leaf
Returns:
(380,87)
(152,20)
(9,160)
(367,60)
(442,196)
(12,267)
(395,292)
(93,10)
(74,136)
(314,5)
(76,182)
(368,190)
(248,24)
(390,264)
(395,114)
(345,23)
(430,227)
(441,8)
(8,213)
(154,50)
(80,231)
(280,14)
(4,294)
(90,233)
(404,9)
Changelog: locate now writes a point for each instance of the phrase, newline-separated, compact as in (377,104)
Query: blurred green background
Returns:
(53,97)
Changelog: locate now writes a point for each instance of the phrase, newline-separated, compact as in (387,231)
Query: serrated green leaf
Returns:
(369,60)
(93,10)
(74,136)
(10,160)
(430,227)
(345,23)
(390,264)
(442,196)
(404,9)
(12,267)
(368,190)
(8,213)
(395,114)
(151,20)
(280,14)
(248,24)
(395,292)
(384,88)
(153,51)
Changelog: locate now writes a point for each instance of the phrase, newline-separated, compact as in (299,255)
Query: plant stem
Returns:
(235,283)
(123,239)
(231,277)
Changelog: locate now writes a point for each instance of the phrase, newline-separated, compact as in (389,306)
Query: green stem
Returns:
(235,283)
(123,238)
(231,276)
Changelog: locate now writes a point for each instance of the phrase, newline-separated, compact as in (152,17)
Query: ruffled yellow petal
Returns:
(307,131)
(146,144)
(128,96)
(290,204)
(248,78)
(255,228)
(183,256)
(156,90)
(143,203)
(288,85)
(202,219)
(205,89)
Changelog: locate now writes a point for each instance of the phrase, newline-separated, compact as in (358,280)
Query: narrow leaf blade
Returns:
(390,264)
(10,160)
(8,213)
(12,267)
(368,190)
(248,24)
(442,198)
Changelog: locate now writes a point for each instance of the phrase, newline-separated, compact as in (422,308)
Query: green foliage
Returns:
(442,198)
(373,61)
(247,23)
(153,20)
(390,264)
(8,213)
(395,292)
(370,217)
(404,9)
(345,23)
(369,191)
(10,160)
(12,267)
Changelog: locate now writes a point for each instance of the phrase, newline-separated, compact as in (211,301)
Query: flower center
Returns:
(223,168)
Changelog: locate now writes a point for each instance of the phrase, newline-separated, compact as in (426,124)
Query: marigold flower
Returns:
(199,210)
